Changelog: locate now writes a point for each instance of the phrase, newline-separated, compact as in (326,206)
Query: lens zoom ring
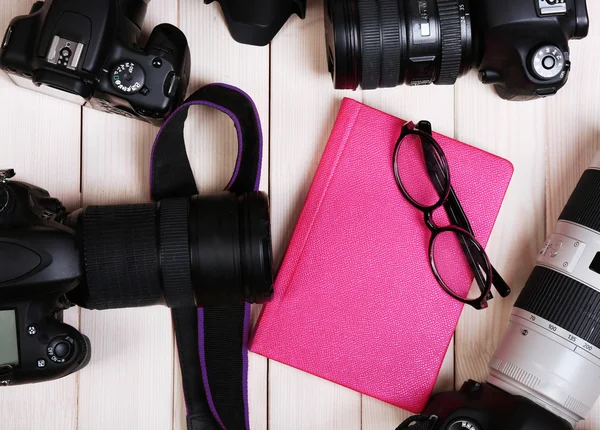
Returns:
(370,36)
(451,42)
(563,301)
(175,253)
(390,42)
(582,207)
(120,256)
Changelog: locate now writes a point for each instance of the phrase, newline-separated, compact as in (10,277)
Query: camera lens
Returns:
(550,352)
(384,43)
(230,248)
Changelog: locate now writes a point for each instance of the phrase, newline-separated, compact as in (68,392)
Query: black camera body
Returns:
(519,46)
(524,45)
(41,267)
(52,260)
(480,406)
(88,52)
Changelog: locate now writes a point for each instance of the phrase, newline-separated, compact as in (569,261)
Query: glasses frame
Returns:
(439,173)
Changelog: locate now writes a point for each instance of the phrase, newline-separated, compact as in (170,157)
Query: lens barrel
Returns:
(230,248)
(550,352)
(385,43)
(204,250)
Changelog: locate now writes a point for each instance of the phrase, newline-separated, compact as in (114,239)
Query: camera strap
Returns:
(212,341)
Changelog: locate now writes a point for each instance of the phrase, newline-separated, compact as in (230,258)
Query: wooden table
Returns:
(86,157)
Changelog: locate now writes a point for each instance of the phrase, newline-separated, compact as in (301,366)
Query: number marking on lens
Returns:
(540,325)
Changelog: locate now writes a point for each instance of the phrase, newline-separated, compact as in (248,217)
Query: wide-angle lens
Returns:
(420,171)
(384,43)
(458,259)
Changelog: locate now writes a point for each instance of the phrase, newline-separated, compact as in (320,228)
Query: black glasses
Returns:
(423,176)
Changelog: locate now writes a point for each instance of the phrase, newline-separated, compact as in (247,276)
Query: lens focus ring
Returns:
(370,38)
(451,42)
(390,43)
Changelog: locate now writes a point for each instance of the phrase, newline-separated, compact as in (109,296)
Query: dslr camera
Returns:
(106,257)
(519,46)
(545,372)
(88,52)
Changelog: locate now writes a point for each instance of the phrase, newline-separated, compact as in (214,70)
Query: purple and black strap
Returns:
(212,341)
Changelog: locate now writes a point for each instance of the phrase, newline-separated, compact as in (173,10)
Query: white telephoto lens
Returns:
(550,352)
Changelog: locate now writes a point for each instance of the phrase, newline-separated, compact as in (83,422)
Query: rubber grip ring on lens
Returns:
(451,42)
(390,42)
(370,37)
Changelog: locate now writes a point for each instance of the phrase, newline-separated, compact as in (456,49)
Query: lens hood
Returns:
(256,22)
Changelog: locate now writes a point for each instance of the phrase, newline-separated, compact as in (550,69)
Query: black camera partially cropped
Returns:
(107,257)
(519,46)
(87,52)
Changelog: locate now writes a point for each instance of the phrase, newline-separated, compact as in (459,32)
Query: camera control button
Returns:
(6,40)
(548,62)
(32,330)
(545,92)
(62,349)
(41,363)
(171,85)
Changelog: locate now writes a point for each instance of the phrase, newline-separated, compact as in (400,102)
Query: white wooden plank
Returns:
(303,109)
(514,131)
(40,140)
(572,137)
(435,104)
(129,382)
(211,139)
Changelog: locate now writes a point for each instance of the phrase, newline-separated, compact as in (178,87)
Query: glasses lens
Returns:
(458,260)
(420,170)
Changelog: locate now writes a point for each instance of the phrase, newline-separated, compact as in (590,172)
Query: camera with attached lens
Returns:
(106,257)
(544,374)
(519,46)
(87,52)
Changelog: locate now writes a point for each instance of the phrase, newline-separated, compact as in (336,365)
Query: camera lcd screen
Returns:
(9,349)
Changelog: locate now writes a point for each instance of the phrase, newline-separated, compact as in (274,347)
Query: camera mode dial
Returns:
(548,62)
(464,424)
(128,77)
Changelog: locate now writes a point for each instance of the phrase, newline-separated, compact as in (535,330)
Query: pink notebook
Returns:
(355,300)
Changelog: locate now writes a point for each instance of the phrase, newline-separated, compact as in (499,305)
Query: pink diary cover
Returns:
(355,300)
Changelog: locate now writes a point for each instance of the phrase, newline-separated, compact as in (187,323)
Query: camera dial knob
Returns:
(464,424)
(128,77)
(548,62)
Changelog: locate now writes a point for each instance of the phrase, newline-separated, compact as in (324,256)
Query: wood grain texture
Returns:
(517,132)
(303,109)
(40,140)
(435,104)
(129,382)
(133,381)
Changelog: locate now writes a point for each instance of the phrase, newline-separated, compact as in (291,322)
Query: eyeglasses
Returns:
(423,177)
